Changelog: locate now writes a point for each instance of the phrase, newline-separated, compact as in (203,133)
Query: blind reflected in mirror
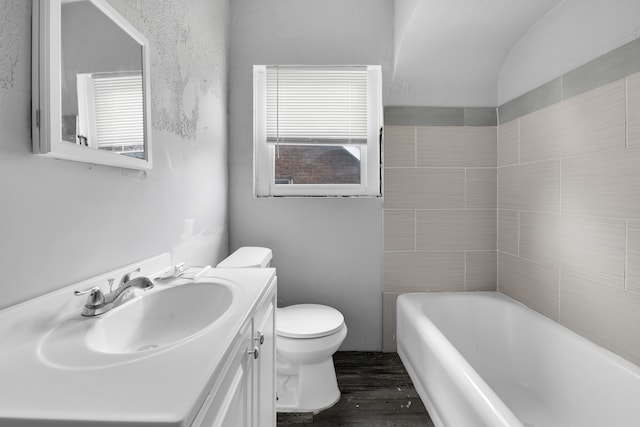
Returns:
(102,90)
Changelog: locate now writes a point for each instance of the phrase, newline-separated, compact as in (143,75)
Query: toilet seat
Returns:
(308,321)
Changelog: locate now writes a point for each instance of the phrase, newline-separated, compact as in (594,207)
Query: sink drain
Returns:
(148,347)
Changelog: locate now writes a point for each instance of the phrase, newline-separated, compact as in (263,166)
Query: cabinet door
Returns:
(230,402)
(264,385)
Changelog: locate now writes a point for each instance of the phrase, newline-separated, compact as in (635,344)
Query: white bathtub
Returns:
(481,359)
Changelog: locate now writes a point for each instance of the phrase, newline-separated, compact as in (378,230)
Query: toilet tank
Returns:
(248,257)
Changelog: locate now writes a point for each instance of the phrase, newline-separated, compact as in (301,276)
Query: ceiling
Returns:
(450,52)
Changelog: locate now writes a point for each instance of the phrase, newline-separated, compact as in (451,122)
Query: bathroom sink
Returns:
(160,318)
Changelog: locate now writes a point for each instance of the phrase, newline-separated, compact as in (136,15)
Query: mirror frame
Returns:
(47,89)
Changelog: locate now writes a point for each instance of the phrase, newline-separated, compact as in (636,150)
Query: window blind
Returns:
(316,106)
(119,110)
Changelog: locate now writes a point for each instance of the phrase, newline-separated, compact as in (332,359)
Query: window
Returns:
(317,130)
(111,112)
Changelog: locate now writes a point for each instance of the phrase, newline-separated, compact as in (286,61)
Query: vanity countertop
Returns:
(160,388)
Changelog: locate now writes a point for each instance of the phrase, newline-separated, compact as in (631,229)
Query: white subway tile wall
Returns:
(569,213)
(534,284)
(508,148)
(587,123)
(557,184)
(439,212)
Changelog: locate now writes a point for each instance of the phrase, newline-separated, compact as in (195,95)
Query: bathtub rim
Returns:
(601,351)
(424,396)
(598,350)
(499,412)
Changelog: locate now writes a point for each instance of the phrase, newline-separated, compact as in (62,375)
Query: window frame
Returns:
(370,153)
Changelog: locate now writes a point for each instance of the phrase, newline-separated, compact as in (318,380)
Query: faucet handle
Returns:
(95,296)
(127,277)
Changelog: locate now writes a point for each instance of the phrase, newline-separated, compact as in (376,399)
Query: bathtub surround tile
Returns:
(595,247)
(608,316)
(605,69)
(533,284)
(440,116)
(608,68)
(508,231)
(481,188)
(448,230)
(509,143)
(400,146)
(593,121)
(441,161)
(633,110)
(481,116)
(603,184)
(389,321)
(451,146)
(423,271)
(423,116)
(424,188)
(531,186)
(399,230)
(587,231)
(540,97)
(540,237)
(481,271)
(588,245)
(633,256)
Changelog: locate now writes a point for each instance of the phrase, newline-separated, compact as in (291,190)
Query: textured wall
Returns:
(14,35)
(439,212)
(191,41)
(327,250)
(569,213)
(64,221)
(449,53)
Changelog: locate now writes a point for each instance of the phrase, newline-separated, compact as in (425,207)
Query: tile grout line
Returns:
(498,200)
(451,209)
(462,167)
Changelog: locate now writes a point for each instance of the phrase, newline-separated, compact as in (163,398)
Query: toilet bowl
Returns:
(307,336)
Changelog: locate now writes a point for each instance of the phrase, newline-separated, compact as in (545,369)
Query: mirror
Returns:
(90,85)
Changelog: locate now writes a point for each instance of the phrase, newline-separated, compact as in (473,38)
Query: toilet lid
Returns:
(308,321)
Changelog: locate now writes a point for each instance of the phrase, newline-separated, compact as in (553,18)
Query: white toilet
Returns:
(307,336)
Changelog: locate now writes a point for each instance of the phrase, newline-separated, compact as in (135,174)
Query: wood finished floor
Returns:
(376,392)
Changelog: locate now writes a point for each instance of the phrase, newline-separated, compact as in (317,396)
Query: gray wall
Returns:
(62,221)
(92,43)
(327,250)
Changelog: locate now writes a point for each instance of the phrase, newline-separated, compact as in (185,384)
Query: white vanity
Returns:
(183,353)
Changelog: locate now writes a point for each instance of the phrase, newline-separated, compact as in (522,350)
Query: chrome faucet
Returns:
(98,303)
